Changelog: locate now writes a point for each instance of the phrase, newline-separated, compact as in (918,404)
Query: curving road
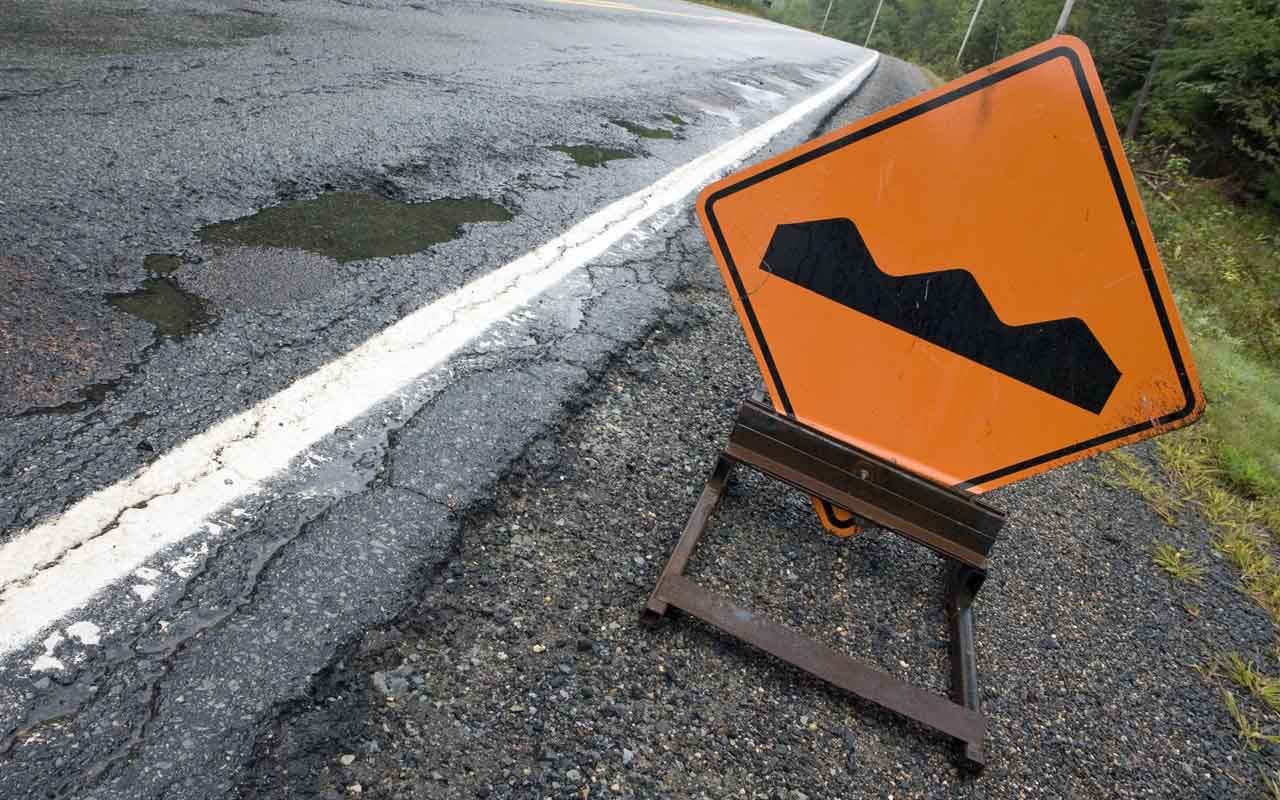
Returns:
(232,441)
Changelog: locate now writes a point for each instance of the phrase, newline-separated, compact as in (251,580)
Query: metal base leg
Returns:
(963,583)
(656,607)
(961,720)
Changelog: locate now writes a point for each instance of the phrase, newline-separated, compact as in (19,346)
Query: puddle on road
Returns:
(586,155)
(161,301)
(350,226)
(162,263)
(642,131)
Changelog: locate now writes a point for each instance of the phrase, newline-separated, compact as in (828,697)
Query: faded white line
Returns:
(58,566)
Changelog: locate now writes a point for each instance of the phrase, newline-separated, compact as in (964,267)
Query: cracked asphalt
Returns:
(125,130)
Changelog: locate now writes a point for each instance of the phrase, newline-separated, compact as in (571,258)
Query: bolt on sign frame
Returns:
(951,295)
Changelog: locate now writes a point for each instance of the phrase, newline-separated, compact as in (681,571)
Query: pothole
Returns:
(642,131)
(351,226)
(173,311)
(162,263)
(587,155)
(82,26)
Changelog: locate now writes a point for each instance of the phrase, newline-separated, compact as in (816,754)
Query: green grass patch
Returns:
(1224,265)
(1223,258)
(1123,469)
(1177,562)
(1250,733)
(1243,416)
(1223,261)
(1271,785)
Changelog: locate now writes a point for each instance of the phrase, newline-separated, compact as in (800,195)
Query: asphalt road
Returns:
(231,442)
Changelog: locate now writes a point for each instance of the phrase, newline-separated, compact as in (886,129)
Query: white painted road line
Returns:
(54,568)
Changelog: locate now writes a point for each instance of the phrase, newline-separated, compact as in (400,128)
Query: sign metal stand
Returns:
(953,523)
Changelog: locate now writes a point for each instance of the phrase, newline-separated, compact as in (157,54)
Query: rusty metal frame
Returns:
(953,523)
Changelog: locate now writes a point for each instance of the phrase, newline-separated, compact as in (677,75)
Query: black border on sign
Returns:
(1126,209)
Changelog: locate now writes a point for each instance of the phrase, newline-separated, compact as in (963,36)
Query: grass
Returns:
(1245,675)
(1123,469)
(1250,733)
(1271,783)
(1223,262)
(1178,563)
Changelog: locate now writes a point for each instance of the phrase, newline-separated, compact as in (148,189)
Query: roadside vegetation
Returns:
(1223,259)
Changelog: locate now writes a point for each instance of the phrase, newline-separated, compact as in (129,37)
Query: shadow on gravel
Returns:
(351,226)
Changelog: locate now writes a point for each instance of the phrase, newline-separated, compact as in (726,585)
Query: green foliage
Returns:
(1122,469)
(1250,733)
(1216,88)
(1224,262)
(1218,93)
(1177,562)
(1246,675)
(1223,257)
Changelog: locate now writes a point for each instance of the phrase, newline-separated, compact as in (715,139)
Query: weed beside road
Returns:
(1223,261)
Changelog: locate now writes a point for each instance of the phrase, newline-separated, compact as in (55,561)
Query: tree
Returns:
(1218,94)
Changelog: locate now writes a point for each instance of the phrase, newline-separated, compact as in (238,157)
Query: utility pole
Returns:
(873,23)
(826,15)
(969,30)
(1062,20)
(1144,94)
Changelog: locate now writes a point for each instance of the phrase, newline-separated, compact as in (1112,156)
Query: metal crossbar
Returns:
(952,523)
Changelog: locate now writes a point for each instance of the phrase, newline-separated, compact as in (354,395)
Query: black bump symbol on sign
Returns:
(947,308)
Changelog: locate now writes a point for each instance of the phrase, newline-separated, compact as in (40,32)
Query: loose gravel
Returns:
(522,669)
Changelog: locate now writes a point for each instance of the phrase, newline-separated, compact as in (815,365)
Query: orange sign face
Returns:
(965,283)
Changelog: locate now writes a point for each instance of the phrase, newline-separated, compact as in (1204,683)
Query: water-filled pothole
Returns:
(162,263)
(586,155)
(161,301)
(350,226)
(642,131)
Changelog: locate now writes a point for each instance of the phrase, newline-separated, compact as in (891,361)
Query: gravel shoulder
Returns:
(521,670)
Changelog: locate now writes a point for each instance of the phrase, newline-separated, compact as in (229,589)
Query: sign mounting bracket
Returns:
(951,522)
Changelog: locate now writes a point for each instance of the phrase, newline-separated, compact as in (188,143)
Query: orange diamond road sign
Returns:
(965,283)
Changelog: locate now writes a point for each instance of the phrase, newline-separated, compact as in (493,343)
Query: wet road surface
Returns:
(212,212)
